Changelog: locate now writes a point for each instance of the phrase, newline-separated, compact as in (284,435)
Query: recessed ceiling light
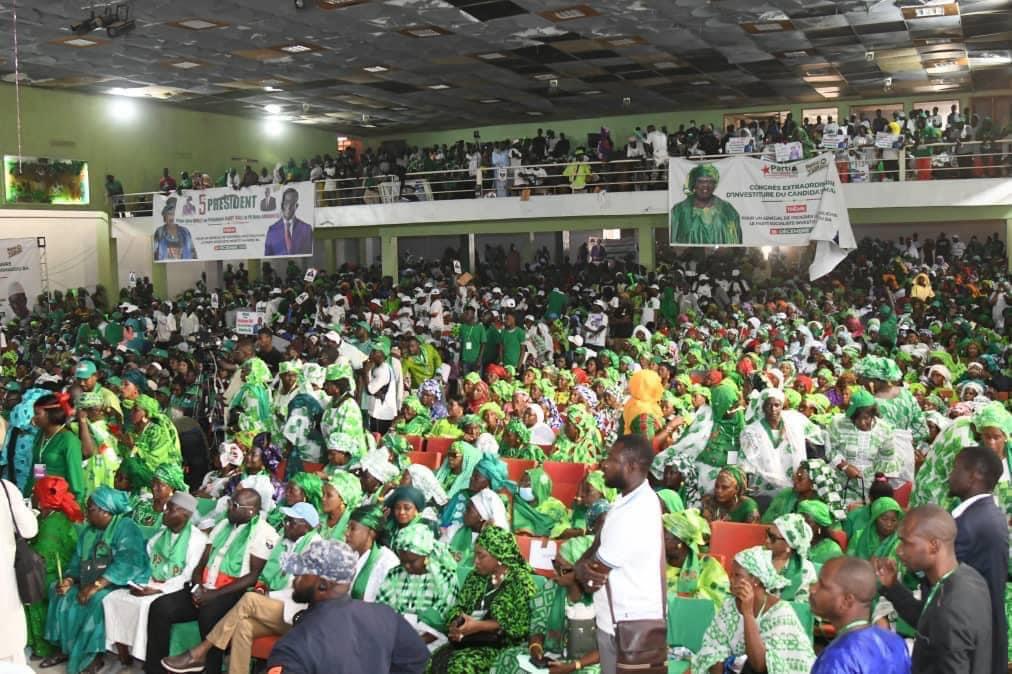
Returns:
(375,69)
(269,89)
(546,76)
(272,108)
(701,83)
(439,86)
(492,56)
(296,48)
(591,92)
(490,100)
(185,65)
(569,13)
(198,24)
(424,31)
(80,42)
(801,53)
(369,126)
(535,113)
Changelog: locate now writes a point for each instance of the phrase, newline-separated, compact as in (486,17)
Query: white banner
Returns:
(227,224)
(248,322)
(743,201)
(20,278)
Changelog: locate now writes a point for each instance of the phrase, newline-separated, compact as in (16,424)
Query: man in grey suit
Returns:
(951,637)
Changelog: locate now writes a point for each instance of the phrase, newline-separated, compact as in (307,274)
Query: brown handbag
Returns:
(642,645)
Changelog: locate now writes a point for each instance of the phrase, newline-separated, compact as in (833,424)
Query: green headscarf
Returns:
(796,531)
(690,528)
(574,548)
(491,407)
(471,455)
(878,367)
(416,538)
(312,486)
(415,405)
(859,399)
(370,516)
(595,479)
(495,470)
(112,501)
(993,415)
(348,487)
(171,474)
(701,171)
(671,500)
(149,405)
(520,430)
(502,545)
(817,510)
(867,543)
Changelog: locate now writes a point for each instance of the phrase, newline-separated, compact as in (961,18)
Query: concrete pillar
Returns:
(559,246)
(362,251)
(108,260)
(160,280)
(330,253)
(472,253)
(388,256)
(1008,243)
(647,245)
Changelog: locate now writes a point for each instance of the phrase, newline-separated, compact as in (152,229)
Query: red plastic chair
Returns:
(262,647)
(517,467)
(562,471)
(417,442)
(429,459)
(902,494)
(441,445)
(565,492)
(729,538)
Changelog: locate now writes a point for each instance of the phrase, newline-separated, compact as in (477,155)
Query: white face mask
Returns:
(527,494)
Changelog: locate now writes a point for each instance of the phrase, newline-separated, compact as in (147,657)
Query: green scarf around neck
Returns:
(168,557)
(233,557)
(272,575)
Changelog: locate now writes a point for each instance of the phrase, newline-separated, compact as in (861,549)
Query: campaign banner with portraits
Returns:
(20,277)
(746,201)
(223,223)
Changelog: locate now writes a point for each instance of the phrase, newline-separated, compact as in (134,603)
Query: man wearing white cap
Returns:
(17,299)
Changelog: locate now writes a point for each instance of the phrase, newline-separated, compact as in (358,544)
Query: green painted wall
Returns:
(68,125)
(622,126)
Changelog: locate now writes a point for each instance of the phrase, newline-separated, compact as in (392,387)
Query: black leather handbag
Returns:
(29,567)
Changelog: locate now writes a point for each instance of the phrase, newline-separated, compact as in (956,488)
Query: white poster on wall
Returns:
(742,201)
(228,224)
(20,278)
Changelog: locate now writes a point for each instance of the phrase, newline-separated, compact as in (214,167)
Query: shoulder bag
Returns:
(642,645)
(29,567)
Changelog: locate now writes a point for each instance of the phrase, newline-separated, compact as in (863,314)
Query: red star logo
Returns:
(766,169)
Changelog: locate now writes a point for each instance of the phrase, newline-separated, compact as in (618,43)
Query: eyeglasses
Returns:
(235,506)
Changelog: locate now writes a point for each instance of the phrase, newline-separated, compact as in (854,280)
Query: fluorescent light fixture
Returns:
(613,234)
(490,100)
(665,65)
(272,108)
(197,24)
(185,65)
(800,53)
(369,126)
(990,59)
(925,12)
(535,113)
(492,56)
(701,83)
(623,42)
(296,48)
(546,76)
(375,69)
(270,88)
(567,14)
(400,108)
(591,92)
(439,86)
(80,42)
(767,27)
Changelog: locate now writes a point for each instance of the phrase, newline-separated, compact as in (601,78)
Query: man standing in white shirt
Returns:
(658,142)
(381,389)
(165,323)
(189,322)
(628,556)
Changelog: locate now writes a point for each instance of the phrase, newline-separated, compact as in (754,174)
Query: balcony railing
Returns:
(946,161)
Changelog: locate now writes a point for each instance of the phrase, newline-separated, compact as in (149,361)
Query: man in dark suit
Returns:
(982,538)
(268,203)
(951,637)
(289,235)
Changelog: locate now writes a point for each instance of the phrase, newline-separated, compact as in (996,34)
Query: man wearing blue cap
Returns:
(257,614)
(373,637)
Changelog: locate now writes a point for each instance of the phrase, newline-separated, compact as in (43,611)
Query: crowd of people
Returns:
(956,144)
(195,489)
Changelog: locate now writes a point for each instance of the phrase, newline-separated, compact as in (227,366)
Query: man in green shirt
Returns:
(512,341)
(493,339)
(423,362)
(472,342)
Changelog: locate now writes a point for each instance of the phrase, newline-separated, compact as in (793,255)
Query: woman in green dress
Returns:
(535,510)
(728,502)
(789,539)
(56,447)
(414,418)
(492,612)
(404,506)
(753,609)
(591,490)
(861,445)
(454,474)
(580,440)
(516,443)
(485,508)
(814,479)
(98,445)
(691,573)
(252,403)
(725,435)
(425,584)
(110,553)
(880,537)
(55,542)
(820,518)
(702,217)
(552,608)
(147,510)
(342,493)
(151,442)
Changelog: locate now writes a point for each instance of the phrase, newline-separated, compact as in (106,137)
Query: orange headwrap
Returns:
(645,390)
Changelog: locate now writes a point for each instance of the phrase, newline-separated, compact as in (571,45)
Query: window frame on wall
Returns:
(887,110)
